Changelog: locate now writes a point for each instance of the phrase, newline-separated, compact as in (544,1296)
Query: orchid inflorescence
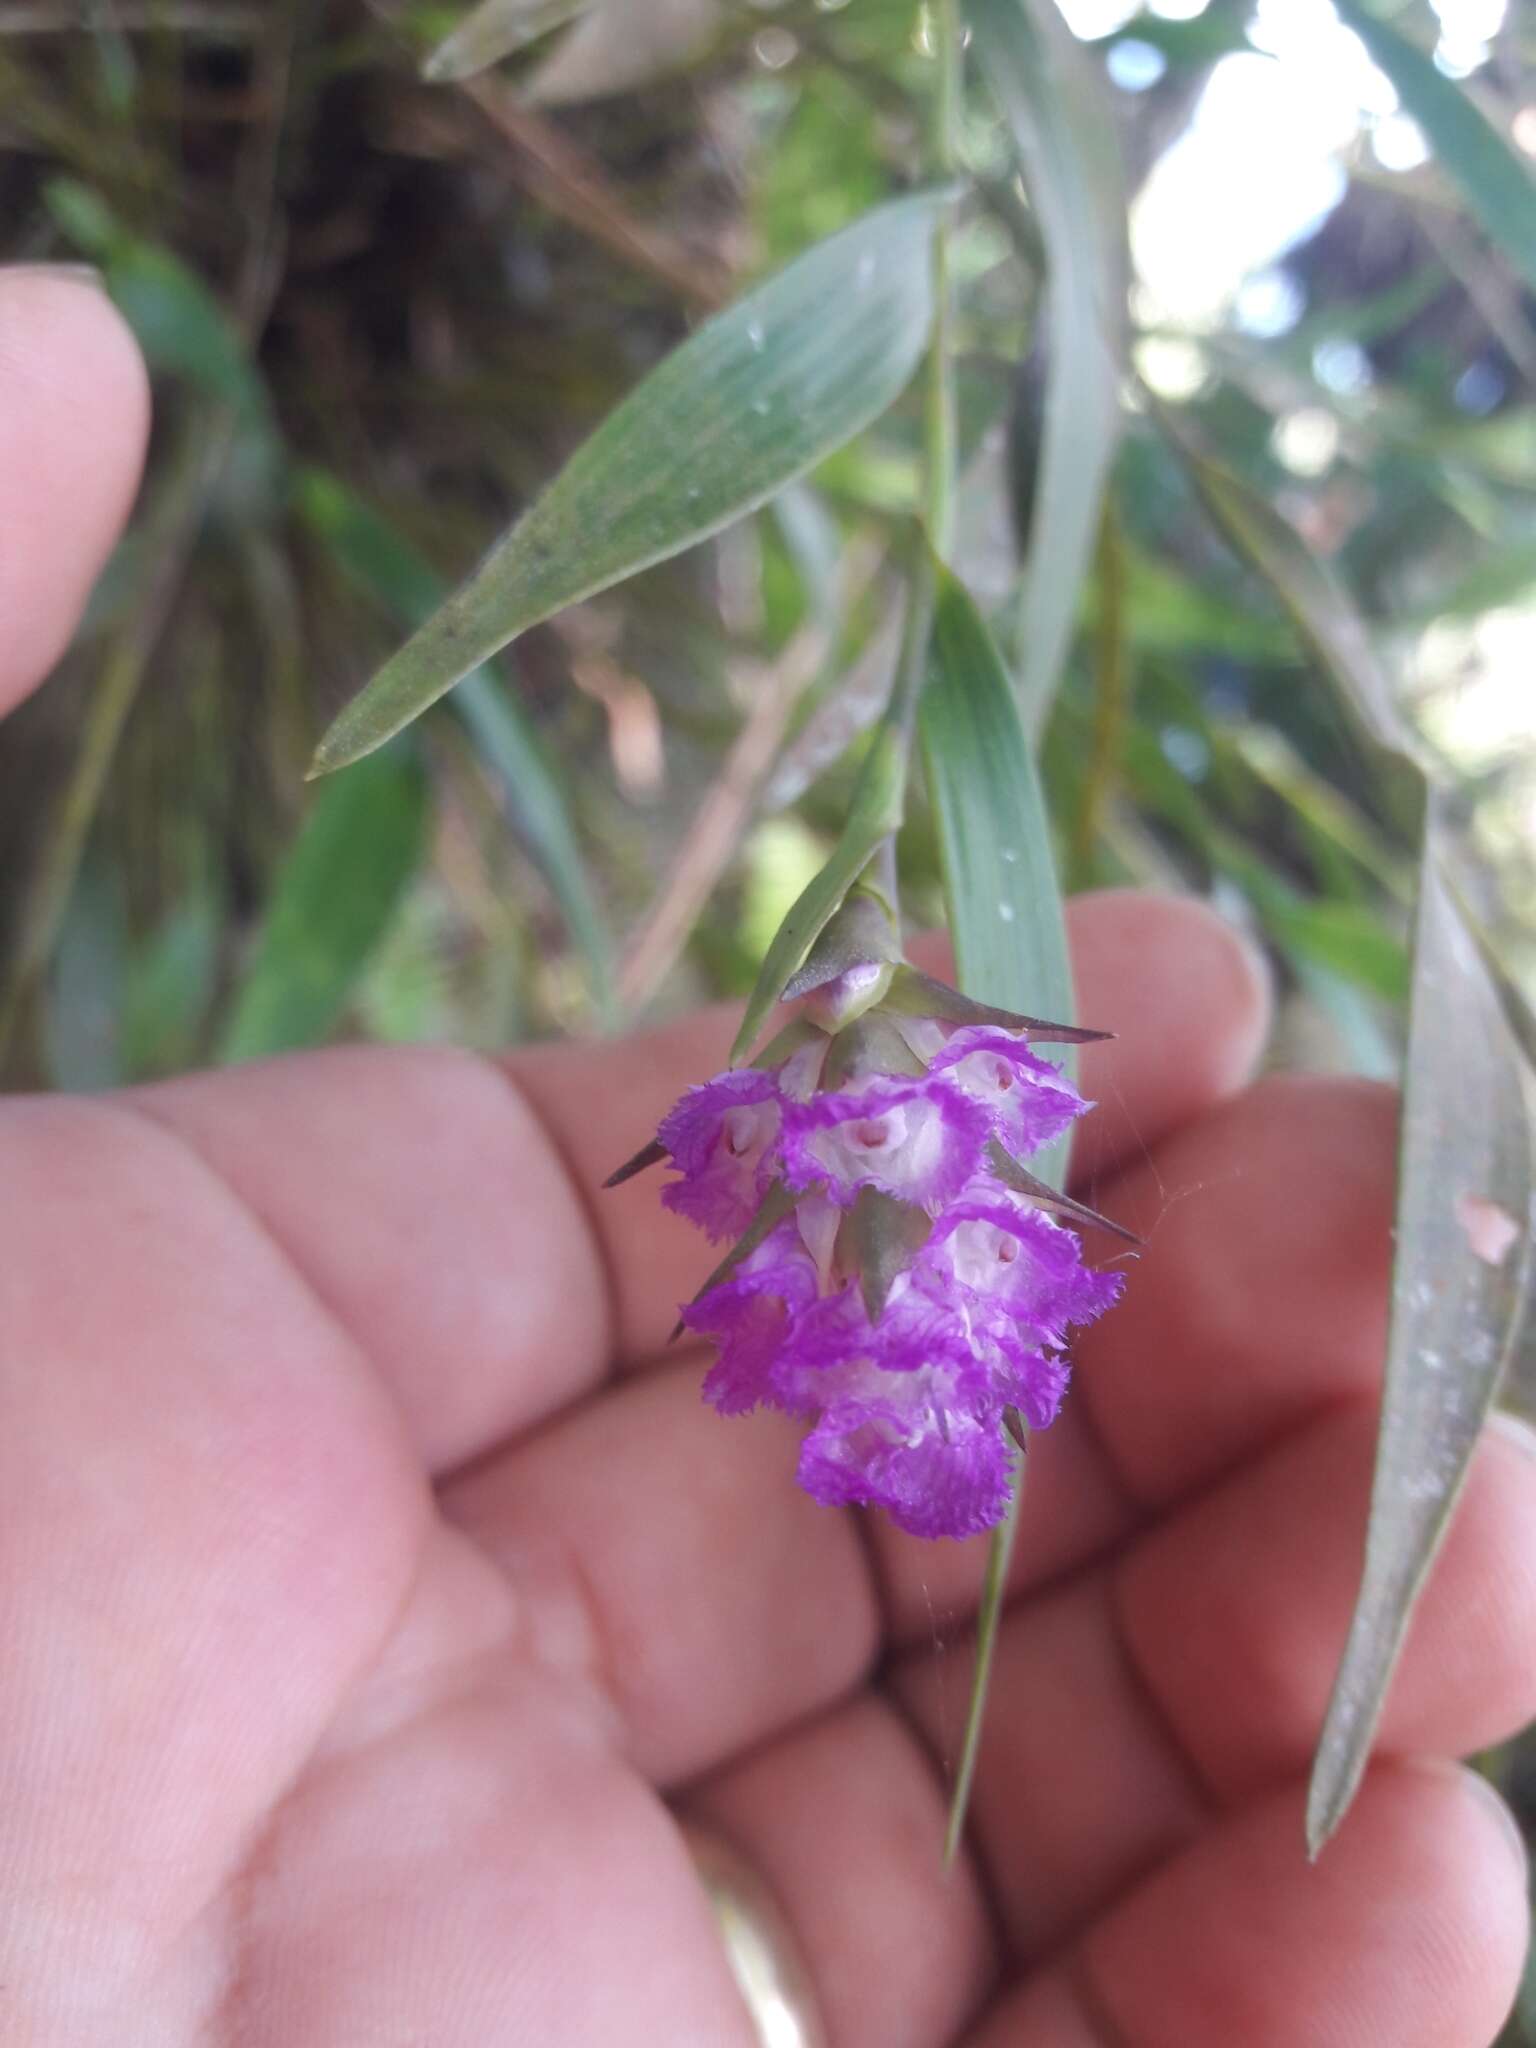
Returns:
(898,1278)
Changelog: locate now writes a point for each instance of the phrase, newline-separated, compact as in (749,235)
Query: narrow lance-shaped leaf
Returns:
(1064,135)
(1461,1307)
(1319,606)
(493,30)
(1003,897)
(333,901)
(1464,1172)
(1497,186)
(1006,915)
(759,395)
(383,564)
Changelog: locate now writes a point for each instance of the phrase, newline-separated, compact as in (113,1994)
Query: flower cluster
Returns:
(896,1280)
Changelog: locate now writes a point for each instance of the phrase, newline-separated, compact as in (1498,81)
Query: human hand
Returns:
(377,1591)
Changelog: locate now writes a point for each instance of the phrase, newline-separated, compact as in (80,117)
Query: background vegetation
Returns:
(381,312)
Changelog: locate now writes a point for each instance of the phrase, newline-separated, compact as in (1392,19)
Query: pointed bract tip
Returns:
(648,1155)
(1323,1820)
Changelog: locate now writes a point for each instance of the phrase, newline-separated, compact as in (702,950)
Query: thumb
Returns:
(74,417)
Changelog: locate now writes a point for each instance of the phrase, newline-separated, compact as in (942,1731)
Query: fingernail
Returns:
(63,273)
(1496,1804)
(1515,1430)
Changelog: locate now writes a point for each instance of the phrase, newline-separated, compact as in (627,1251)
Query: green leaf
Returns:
(759,395)
(1318,605)
(384,565)
(168,986)
(1064,134)
(1000,885)
(1465,1169)
(1168,609)
(1500,192)
(82,1022)
(1009,928)
(493,30)
(179,324)
(332,903)
(1461,1308)
(1348,939)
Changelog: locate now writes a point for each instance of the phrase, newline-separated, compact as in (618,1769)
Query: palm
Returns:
(377,1590)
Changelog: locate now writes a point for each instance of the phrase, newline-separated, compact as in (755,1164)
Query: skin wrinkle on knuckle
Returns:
(1153,1705)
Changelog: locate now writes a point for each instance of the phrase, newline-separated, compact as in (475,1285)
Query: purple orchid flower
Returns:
(920,1141)
(912,1388)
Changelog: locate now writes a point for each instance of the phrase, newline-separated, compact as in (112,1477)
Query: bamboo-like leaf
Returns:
(493,30)
(623,44)
(1461,1289)
(168,986)
(1351,939)
(331,905)
(179,324)
(1497,186)
(1006,915)
(1064,134)
(1000,882)
(759,395)
(383,564)
(1461,1308)
(1318,605)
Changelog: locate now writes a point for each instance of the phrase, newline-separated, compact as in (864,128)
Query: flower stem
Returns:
(939,435)
(900,721)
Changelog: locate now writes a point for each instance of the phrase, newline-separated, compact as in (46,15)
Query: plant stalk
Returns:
(939,414)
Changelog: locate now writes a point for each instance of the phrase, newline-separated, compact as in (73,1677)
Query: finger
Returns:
(424,1203)
(458,1225)
(1260,1297)
(468,1859)
(1196,1669)
(721,1603)
(1181,987)
(74,415)
(1235,1611)
(1409,1933)
(1262,1293)
(845,1820)
(206,1525)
